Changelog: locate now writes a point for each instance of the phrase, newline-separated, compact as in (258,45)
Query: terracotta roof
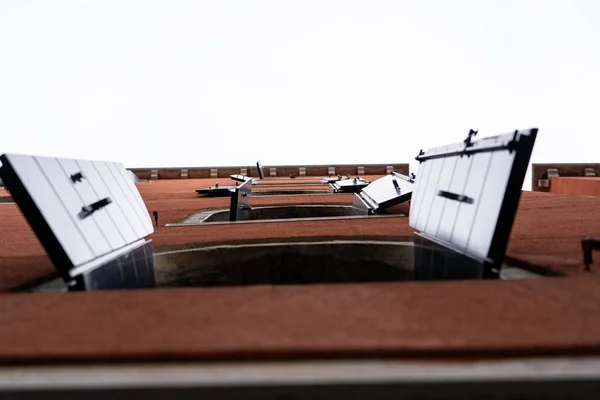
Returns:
(554,315)
(546,232)
(435,319)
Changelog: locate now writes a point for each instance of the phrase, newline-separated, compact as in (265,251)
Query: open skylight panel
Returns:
(216,191)
(85,213)
(242,178)
(353,185)
(238,177)
(388,191)
(332,179)
(467,194)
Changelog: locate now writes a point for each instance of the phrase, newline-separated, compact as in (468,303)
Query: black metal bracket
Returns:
(466,151)
(77,177)
(469,140)
(259,168)
(455,196)
(587,246)
(155,214)
(396,186)
(418,157)
(512,145)
(88,210)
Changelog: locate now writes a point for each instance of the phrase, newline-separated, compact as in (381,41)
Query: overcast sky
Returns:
(199,83)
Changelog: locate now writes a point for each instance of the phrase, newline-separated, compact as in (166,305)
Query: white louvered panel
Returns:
(491,201)
(449,220)
(478,175)
(100,186)
(438,206)
(105,227)
(383,190)
(142,210)
(128,189)
(61,190)
(122,200)
(460,191)
(51,207)
(429,191)
(418,189)
(73,203)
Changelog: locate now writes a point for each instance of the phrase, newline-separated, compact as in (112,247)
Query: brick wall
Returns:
(538,172)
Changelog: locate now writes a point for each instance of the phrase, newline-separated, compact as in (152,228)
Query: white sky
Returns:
(198,83)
